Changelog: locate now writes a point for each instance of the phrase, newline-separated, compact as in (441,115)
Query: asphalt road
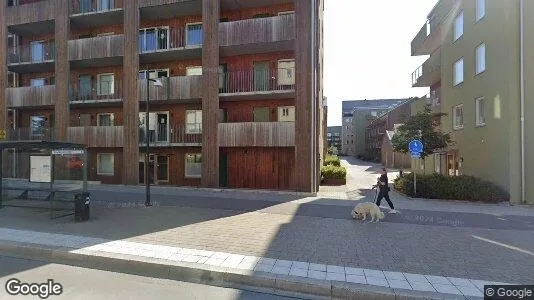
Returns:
(340,211)
(81,283)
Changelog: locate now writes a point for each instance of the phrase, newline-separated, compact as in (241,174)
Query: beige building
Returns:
(481,59)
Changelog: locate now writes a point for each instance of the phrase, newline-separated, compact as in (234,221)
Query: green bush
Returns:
(333,172)
(332,160)
(438,186)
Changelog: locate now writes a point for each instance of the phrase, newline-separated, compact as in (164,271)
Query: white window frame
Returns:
(478,57)
(458,26)
(98,172)
(98,81)
(480,10)
(193,68)
(454,117)
(35,79)
(282,78)
(455,78)
(111,116)
(105,34)
(157,37)
(187,130)
(185,166)
(187,33)
(289,117)
(478,122)
(289,12)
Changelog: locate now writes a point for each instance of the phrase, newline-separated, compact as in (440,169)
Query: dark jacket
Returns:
(384,179)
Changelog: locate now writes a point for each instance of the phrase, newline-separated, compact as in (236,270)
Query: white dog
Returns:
(361,210)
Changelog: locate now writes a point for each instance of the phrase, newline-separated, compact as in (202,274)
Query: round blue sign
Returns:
(415,146)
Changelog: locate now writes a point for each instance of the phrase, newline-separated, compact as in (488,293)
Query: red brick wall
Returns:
(236,15)
(246,62)
(92,166)
(94,111)
(25,79)
(243,111)
(176,164)
(176,68)
(93,32)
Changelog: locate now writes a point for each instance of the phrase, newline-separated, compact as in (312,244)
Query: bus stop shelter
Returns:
(43,175)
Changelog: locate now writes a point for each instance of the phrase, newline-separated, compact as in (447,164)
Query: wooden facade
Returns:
(97,136)
(97,47)
(236,45)
(261,30)
(31,96)
(3,70)
(34,12)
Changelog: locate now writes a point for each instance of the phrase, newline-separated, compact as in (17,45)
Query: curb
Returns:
(210,275)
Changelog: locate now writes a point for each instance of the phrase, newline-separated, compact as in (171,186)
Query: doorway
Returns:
(261,76)
(158,169)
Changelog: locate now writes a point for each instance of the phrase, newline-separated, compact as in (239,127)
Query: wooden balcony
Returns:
(431,35)
(175,89)
(429,72)
(257,134)
(257,35)
(27,134)
(97,136)
(97,94)
(97,52)
(257,84)
(32,58)
(95,13)
(31,96)
(34,18)
(180,44)
(169,135)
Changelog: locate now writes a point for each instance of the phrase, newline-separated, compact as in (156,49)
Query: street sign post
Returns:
(416,148)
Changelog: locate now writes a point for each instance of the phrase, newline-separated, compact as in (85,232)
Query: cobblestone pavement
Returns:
(486,254)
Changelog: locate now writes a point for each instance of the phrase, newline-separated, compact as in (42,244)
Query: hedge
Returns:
(333,172)
(332,160)
(438,186)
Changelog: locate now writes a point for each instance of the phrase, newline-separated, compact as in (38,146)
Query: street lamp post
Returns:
(157,83)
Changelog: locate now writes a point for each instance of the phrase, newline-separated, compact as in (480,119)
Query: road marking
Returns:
(504,245)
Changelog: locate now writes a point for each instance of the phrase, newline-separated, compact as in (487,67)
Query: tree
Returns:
(332,150)
(421,126)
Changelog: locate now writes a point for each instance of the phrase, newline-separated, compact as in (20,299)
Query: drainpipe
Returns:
(522,89)
(313,100)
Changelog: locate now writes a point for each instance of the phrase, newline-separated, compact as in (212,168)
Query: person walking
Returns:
(383,190)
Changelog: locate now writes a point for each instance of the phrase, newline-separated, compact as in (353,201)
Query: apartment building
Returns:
(356,114)
(334,137)
(240,99)
(481,59)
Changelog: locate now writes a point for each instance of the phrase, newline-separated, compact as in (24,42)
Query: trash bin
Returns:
(81,207)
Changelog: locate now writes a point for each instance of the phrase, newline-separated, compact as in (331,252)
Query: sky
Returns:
(367,50)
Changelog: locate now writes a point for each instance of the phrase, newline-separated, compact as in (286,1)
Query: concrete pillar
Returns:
(130,93)
(210,93)
(62,29)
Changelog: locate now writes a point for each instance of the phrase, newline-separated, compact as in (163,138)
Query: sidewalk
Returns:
(228,269)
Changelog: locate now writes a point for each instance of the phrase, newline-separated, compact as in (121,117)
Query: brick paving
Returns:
(485,254)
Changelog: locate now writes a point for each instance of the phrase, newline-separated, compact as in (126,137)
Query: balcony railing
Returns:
(257,134)
(97,47)
(257,81)
(99,92)
(31,96)
(261,30)
(94,6)
(174,88)
(429,36)
(168,135)
(26,133)
(429,72)
(97,136)
(433,98)
(163,39)
(31,53)
(35,11)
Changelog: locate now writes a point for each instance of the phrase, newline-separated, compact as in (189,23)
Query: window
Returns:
(193,121)
(193,34)
(261,114)
(286,114)
(106,164)
(458,26)
(152,74)
(480,59)
(480,9)
(193,71)
(480,112)
(37,82)
(104,5)
(458,76)
(193,165)
(105,119)
(458,117)
(152,39)
(106,84)
(37,51)
(286,72)
(37,124)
